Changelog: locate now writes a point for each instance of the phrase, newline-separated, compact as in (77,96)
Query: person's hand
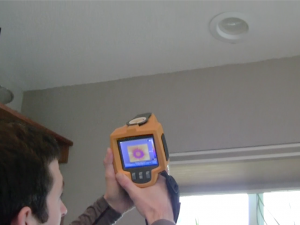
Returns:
(115,195)
(152,202)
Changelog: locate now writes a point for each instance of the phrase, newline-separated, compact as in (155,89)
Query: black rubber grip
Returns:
(163,138)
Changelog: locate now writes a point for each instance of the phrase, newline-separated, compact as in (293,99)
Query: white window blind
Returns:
(247,170)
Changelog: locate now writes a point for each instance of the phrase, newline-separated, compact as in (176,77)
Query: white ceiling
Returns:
(50,44)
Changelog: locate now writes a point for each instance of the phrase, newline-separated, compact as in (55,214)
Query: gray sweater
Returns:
(100,213)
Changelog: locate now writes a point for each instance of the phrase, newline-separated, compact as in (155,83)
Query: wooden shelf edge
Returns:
(64,143)
(64,154)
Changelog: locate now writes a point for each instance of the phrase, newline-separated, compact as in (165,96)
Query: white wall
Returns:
(215,108)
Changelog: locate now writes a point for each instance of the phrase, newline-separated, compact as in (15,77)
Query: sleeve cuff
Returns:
(110,215)
(163,222)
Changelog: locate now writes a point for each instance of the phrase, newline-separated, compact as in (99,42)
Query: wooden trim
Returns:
(64,153)
(64,143)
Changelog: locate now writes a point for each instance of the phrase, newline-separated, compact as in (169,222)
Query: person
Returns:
(31,185)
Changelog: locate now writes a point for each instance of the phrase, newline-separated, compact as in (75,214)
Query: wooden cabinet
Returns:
(64,143)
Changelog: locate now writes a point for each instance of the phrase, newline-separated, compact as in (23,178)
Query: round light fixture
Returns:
(231,27)
(6,96)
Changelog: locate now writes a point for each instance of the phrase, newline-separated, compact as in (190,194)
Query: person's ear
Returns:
(25,217)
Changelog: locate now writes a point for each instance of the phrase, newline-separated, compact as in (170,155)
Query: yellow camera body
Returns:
(140,149)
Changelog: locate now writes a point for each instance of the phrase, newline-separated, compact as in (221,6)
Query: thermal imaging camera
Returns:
(140,149)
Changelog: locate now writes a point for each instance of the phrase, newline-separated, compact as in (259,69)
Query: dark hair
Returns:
(25,179)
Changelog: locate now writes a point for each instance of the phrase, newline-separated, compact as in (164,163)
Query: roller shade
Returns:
(247,170)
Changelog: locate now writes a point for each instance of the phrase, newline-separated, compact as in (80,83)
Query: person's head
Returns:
(31,184)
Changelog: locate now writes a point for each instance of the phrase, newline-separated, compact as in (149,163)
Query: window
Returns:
(230,209)
(278,208)
(270,208)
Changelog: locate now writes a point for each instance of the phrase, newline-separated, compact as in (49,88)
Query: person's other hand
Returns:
(152,202)
(115,195)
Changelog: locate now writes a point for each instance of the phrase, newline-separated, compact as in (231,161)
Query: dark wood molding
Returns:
(64,143)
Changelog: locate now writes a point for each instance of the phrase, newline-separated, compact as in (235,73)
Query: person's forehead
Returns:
(55,171)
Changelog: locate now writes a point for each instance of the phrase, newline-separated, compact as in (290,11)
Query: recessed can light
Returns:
(230,27)
(6,96)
